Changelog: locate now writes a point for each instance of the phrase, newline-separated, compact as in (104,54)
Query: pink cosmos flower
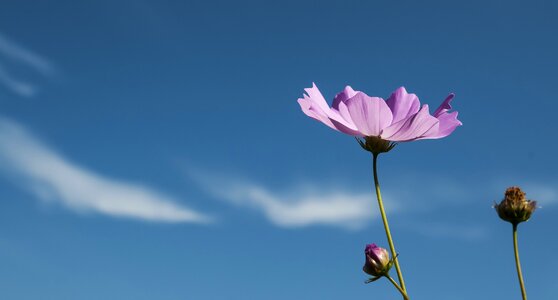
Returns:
(400,118)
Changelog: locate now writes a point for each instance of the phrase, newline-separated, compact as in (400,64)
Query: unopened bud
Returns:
(377,261)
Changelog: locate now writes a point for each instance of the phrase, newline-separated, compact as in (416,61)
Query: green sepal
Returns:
(372,279)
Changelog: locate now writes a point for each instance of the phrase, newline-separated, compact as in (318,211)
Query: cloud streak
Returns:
(16,52)
(298,207)
(337,208)
(321,204)
(51,177)
(21,58)
(19,87)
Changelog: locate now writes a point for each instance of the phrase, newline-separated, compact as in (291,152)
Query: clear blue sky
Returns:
(155,149)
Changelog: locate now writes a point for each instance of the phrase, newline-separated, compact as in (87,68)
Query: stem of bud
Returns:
(398,287)
(518,263)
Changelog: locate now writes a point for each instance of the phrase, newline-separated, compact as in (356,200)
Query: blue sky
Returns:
(155,149)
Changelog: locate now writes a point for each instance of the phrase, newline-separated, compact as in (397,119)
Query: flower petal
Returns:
(341,119)
(445,106)
(315,106)
(448,121)
(402,104)
(316,97)
(412,128)
(314,111)
(345,95)
(344,112)
(369,114)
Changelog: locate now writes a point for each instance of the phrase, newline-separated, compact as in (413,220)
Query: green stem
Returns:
(518,263)
(386,225)
(398,287)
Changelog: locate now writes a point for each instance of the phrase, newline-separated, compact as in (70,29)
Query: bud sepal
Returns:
(375,144)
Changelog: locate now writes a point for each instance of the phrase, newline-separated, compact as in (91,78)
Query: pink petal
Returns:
(345,95)
(316,97)
(369,114)
(445,106)
(314,111)
(348,129)
(315,106)
(402,104)
(412,128)
(448,121)
(341,119)
(344,111)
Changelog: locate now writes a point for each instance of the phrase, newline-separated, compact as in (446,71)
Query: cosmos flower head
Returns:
(400,118)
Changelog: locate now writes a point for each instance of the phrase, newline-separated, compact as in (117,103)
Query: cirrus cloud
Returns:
(14,59)
(50,176)
(296,207)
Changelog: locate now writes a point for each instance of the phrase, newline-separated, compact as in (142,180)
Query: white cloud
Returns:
(298,207)
(50,176)
(337,208)
(320,204)
(410,194)
(19,57)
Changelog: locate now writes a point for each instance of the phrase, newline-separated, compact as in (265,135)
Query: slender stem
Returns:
(398,287)
(518,263)
(386,225)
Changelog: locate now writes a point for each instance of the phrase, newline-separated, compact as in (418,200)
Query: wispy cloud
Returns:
(19,87)
(319,204)
(297,207)
(16,52)
(50,176)
(311,203)
(21,58)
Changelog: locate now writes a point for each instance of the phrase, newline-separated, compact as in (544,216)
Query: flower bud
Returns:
(377,261)
(515,208)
